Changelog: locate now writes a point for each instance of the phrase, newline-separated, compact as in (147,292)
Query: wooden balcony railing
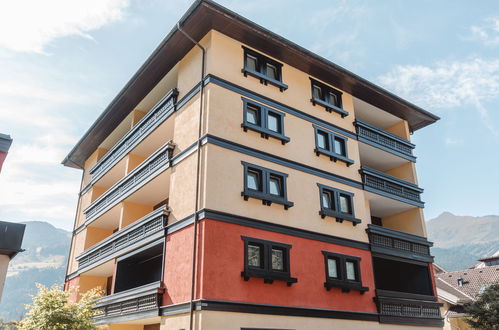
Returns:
(142,231)
(405,308)
(390,186)
(399,244)
(146,125)
(145,171)
(384,140)
(143,301)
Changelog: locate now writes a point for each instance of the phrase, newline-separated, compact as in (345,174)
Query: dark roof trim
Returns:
(5,142)
(205,15)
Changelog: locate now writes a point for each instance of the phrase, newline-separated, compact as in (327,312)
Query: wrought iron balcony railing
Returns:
(149,168)
(406,308)
(384,140)
(144,127)
(390,186)
(141,232)
(399,244)
(143,301)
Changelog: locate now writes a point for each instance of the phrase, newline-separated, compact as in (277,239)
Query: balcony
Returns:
(399,244)
(150,168)
(138,303)
(386,185)
(409,309)
(384,140)
(143,231)
(144,127)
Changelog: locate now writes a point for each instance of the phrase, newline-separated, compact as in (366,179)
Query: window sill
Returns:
(345,286)
(265,133)
(264,79)
(334,157)
(268,278)
(340,217)
(267,199)
(329,107)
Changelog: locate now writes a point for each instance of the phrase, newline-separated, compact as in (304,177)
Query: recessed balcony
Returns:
(399,244)
(143,231)
(158,114)
(386,141)
(380,183)
(137,303)
(409,309)
(151,169)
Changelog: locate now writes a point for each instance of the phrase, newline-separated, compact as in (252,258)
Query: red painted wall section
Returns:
(3,155)
(178,265)
(432,276)
(72,283)
(223,258)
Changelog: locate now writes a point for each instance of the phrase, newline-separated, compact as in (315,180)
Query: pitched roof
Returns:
(474,280)
(206,15)
(5,142)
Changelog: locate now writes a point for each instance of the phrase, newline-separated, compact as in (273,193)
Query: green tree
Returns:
(484,312)
(52,309)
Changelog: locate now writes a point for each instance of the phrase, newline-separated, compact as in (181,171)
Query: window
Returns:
(263,68)
(267,260)
(265,184)
(268,122)
(343,271)
(331,145)
(337,203)
(327,97)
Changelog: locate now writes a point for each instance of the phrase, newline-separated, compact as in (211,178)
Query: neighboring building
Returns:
(5,142)
(463,286)
(264,187)
(11,234)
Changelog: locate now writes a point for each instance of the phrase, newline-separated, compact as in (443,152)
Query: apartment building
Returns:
(239,181)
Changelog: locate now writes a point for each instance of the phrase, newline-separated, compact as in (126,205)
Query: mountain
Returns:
(44,261)
(459,241)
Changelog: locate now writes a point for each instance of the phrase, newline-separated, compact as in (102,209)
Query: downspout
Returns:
(198,179)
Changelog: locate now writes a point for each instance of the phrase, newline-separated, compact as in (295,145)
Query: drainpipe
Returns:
(198,179)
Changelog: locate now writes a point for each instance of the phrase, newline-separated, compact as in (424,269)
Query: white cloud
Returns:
(450,141)
(487,33)
(448,85)
(30,25)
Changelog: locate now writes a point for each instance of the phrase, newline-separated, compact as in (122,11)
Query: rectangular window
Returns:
(332,145)
(266,259)
(328,97)
(263,68)
(266,121)
(265,184)
(343,271)
(337,204)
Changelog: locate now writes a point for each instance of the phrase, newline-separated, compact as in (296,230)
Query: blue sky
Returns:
(62,62)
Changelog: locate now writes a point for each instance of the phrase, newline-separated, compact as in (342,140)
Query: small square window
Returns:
(253,114)
(336,203)
(339,146)
(268,122)
(251,62)
(345,204)
(277,259)
(255,258)
(272,72)
(332,145)
(254,180)
(266,259)
(350,271)
(274,122)
(265,184)
(332,267)
(264,68)
(322,140)
(342,271)
(275,185)
(328,97)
